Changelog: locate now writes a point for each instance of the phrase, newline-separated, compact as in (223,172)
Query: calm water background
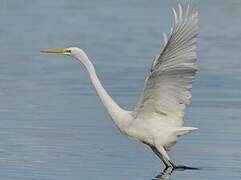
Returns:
(53,126)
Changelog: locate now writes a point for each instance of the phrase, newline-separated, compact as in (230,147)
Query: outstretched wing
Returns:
(167,87)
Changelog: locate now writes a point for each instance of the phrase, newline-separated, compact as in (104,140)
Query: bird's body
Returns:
(157,120)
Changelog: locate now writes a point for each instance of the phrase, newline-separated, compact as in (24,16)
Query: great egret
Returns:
(157,120)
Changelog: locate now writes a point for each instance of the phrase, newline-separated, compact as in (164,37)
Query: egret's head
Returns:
(76,52)
(72,51)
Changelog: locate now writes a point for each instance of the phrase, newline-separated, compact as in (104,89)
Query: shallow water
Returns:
(54,127)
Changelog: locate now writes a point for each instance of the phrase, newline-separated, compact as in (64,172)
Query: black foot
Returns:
(167,172)
(182,168)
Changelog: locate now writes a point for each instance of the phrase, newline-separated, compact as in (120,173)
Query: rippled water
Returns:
(54,127)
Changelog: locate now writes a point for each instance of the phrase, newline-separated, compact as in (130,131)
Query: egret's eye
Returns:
(68,51)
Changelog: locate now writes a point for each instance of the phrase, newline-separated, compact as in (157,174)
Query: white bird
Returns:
(157,120)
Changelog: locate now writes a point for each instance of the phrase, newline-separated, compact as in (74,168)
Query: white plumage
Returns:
(158,117)
(167,87)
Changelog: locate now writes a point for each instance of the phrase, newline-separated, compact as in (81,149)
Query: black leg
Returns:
(167,164)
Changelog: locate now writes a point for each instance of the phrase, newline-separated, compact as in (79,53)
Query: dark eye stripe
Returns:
(68,51)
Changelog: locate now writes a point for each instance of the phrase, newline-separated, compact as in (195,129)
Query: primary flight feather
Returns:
(158,117)
(167,87)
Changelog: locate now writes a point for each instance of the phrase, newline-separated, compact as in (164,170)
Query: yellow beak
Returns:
(54,51)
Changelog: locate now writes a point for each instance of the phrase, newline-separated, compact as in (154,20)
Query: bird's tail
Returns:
(184,130)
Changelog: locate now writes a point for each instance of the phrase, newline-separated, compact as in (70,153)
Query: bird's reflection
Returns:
(166,173)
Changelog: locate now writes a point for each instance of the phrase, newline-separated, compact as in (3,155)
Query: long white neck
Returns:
(112,107)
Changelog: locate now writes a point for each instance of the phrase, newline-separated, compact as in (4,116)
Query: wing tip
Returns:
(185,11)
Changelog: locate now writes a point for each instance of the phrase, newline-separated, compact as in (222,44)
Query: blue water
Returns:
(54,127)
